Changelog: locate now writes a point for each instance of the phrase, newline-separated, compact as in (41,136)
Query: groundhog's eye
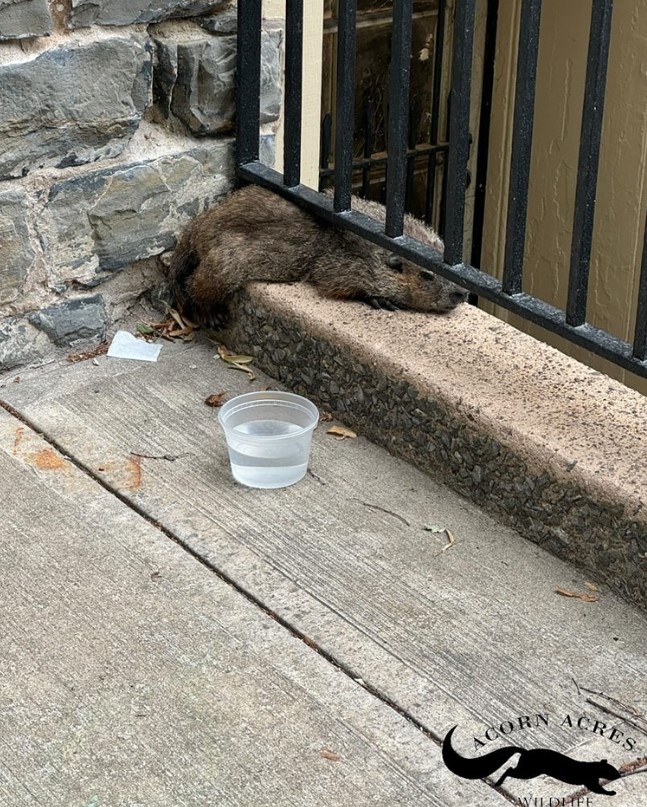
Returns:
(395,262)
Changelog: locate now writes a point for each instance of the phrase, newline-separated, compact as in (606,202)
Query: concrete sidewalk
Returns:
(170,638)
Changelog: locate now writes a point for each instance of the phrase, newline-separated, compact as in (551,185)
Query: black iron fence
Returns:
(368,168)
(570,323)
(426,138)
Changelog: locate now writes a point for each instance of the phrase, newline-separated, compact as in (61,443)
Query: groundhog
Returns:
(254,234)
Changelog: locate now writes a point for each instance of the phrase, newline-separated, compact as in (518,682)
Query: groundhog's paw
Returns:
(381,303)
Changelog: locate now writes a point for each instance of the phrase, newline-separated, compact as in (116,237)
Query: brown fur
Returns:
(253,234)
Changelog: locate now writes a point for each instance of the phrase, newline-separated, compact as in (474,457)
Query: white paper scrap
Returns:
(125,346)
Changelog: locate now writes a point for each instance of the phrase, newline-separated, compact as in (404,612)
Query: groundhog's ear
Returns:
(395,262)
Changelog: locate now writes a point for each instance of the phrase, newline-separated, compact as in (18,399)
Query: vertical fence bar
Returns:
(400,70)
(248,81)
(524,113)
(587,170)
(640,334)
(345,109)
(439,46)
(459,124)
(293,92)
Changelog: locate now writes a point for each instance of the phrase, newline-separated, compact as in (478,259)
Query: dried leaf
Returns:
(176,316)
(451,540)
(190,324)
(331,755)
(578,595)
(99,350)
(169,329)
(233,359)
(217,399)
(436,529)
(591,586)
(251,375)
(341,432)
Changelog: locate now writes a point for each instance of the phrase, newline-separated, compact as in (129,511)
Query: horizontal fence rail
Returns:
(507,293)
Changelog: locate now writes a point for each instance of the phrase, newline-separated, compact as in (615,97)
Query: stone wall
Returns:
(116,128)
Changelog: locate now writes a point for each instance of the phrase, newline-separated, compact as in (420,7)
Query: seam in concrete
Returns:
(553,448)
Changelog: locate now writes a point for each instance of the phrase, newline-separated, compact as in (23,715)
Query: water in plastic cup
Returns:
(268,436)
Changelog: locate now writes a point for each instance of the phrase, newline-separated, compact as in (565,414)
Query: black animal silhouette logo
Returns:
(532,763)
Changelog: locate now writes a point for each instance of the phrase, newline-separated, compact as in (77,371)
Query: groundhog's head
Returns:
(429,292)
(423,290)
(414,287)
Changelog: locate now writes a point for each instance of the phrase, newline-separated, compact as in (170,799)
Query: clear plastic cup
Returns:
(268,437)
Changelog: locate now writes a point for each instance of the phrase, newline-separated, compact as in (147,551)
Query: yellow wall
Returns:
(620,208)
(311,109)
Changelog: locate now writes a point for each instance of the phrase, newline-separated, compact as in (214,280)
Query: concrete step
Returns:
(551,447)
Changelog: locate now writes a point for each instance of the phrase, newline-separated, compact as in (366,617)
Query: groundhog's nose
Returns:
(457,297)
